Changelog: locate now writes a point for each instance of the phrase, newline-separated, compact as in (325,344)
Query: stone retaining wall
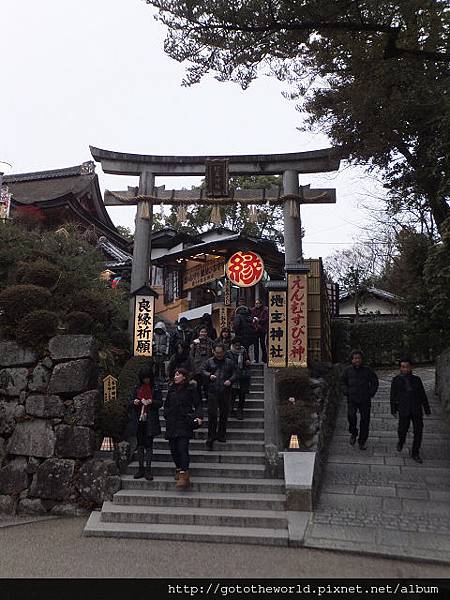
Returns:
(48,411)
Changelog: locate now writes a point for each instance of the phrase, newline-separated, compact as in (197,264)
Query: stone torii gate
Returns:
(147,167)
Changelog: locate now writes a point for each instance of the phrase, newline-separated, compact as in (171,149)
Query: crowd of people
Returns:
(202,368)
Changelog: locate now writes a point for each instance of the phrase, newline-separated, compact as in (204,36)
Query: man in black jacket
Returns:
(359,385)
(219,374)
(409,400)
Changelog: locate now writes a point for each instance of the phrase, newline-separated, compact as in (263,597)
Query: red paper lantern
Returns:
(245,269)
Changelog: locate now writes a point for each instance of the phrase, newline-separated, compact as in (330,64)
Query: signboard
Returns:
(223,317)
(109,388)
(245,269)
(217,178)
(209,271)
(5,202)
(227,293)
(143,325)
(276,335)
(297,320)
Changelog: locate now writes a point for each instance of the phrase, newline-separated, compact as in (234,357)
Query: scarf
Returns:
(144,393)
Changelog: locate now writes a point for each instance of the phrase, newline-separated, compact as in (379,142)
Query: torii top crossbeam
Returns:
(123,163)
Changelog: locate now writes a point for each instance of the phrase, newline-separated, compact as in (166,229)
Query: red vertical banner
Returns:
(297,320)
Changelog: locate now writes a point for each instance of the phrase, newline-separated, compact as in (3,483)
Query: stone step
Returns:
(229,485)
(364,503)
(215,456)
(233,434)
(230,446)
(197,533)
(377,436)
(205,470)
(230,517)
(255,501)
(247,423)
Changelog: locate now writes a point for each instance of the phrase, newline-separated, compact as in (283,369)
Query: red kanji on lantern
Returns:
(245,268)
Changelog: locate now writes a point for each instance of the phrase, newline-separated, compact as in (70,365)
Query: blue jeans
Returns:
(179,448)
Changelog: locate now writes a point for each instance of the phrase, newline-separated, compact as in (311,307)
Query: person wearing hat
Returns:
(144,403)
(183,334)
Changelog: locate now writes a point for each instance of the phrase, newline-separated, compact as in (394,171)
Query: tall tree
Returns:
(266,223)
(372,74)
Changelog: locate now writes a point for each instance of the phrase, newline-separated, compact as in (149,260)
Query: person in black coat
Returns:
(183,334)
(181,359)
(144,403)
(241,386)
(359,385)
(220,373)
(409,400)
(183,414)
(243,326)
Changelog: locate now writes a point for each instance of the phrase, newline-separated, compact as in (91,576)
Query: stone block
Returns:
(73,377)
(53,478)
(13,355)
(47,407)
(39,379)
(86,406)
(98,480)
(75,442)
(13,477)
(13,381)
(70,347)
(3,453)
(8,504)
(299,470)
(32,438)
(7,417)
(31,506)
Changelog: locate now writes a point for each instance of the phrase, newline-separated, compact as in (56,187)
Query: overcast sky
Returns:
(94,72)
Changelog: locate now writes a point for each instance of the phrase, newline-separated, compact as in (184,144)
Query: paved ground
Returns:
(56,549)
(381,501)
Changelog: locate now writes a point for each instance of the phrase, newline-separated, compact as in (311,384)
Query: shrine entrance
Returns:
(289,285)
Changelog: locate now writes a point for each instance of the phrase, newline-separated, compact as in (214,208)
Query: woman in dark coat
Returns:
(206,321)
(181,359)
(143,409)
(241,386)
(243,326)
(182,412)
(225,338)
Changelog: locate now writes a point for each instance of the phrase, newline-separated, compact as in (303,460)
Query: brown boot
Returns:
(177,474)
(183,481)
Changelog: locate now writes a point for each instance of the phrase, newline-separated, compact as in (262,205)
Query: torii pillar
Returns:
(142,247)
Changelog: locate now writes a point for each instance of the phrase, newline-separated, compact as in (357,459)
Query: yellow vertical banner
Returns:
(143,325)
(297,320)
(276,335)
(109,388)
(223,318)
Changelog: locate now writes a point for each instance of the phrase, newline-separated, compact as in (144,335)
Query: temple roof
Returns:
(73,190)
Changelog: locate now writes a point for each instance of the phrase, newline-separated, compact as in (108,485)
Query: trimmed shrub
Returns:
(40,272)
(92,302)
(36,328)
(78,322)
(18,300)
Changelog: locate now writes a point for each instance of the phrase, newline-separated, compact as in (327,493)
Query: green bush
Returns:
(94,303)
(78,322)
(382,342)
(16,301)
(295,419)
(36,328)
(40,272)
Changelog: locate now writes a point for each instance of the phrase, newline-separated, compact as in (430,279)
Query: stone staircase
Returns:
(230,499)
